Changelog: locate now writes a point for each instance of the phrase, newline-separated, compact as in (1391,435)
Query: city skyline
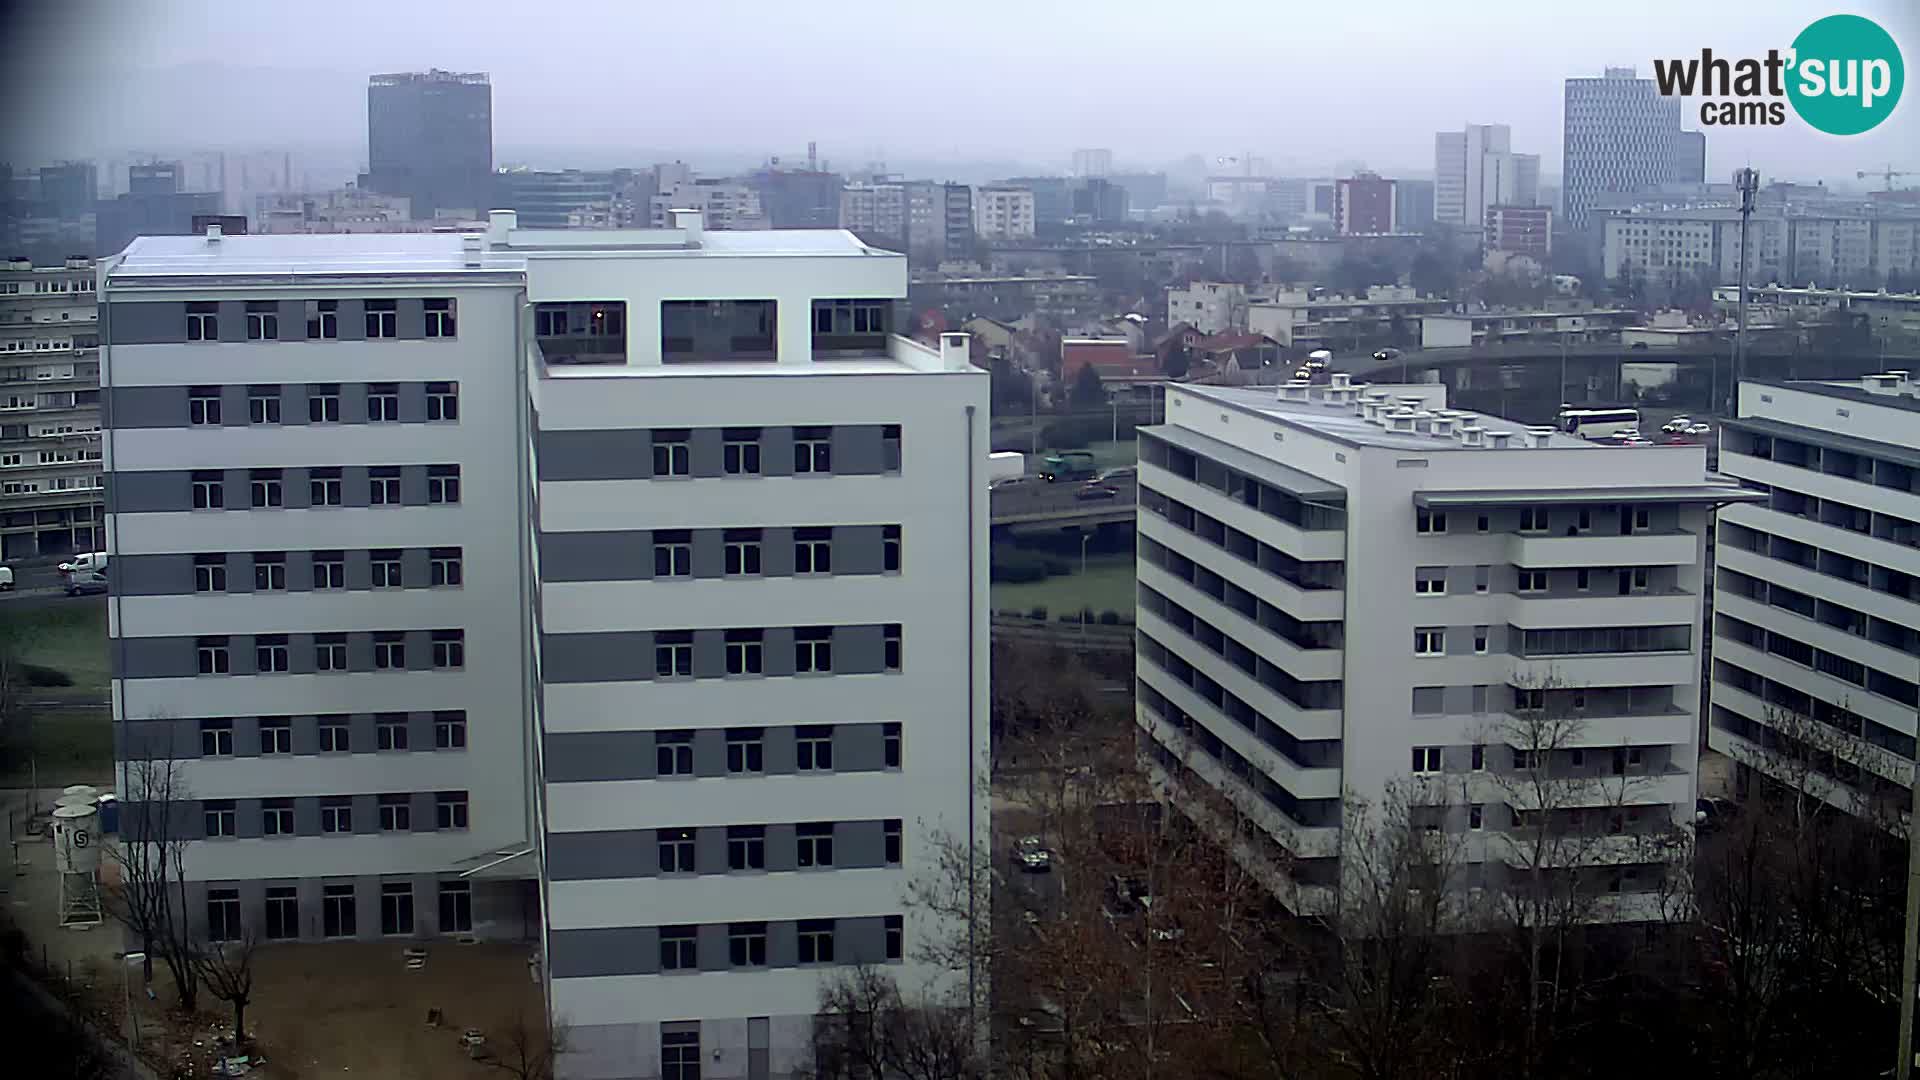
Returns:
(222,80)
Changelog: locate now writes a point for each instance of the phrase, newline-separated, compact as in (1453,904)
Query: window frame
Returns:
(673,754)
(203,406)
(1430,641)
(813,748)
(443,485)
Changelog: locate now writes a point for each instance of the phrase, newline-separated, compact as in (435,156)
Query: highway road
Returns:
(1038,502)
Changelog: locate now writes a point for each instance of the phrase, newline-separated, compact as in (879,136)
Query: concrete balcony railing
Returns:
(1599,608)
(1544,552)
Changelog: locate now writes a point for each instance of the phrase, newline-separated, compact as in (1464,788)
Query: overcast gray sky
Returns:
(595,83)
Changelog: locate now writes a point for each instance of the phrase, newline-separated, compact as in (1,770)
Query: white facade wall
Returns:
(50,474)
(1001,213)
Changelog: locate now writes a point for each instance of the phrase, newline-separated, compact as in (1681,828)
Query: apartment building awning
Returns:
(1704,492)
(1903,455)
(1292,481)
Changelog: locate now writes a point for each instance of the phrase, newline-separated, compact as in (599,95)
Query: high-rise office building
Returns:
(1345,590)
(534,584)
(430,138)
(1620,136)
(798,198)
(155,178)
(550,198)
(1475,168)
(1413,205)
(1817,594)
(1690,157)
(50,458)
(1092,163)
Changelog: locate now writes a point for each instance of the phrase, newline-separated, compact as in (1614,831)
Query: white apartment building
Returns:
(1003,213)
(622,592)
(50,471)
(723,204)
(1475,168)
(1343,587)
(1817,595)
(874,209)
(1824,248)
(1211,307)
(1314,317)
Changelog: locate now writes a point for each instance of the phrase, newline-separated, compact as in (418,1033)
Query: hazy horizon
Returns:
(1013,85)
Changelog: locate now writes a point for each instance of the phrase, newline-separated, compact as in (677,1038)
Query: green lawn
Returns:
(1106,586)
(64,744)
(66,635)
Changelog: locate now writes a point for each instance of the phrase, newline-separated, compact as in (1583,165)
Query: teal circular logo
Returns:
(1846,75)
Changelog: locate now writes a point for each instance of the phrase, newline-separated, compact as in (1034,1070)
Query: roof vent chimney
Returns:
(1341,379)
(1401,421)
(1887,383)
(1539,437)
(1295,390)
(213,232)
(1473,435)
(470,246)
(691,222)
(1442,426)
(1498,440)
(499,224)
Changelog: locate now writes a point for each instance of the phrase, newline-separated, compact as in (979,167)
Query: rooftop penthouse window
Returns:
(850,327)
(705,331)
(582,332)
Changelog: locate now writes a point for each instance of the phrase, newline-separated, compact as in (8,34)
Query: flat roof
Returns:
(1847,391)
(1344,426)
(1904,455)
(1706,491)
(733,369)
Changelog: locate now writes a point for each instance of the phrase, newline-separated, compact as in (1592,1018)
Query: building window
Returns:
(1428,522)
(672,553)
(813,551)
(673,654)
(449,649)
(337,910)
(209,573)
(456,899)
(263,321)
(323,403)
(1533,581)
(746,751)
(673,753)
(1642,519)
(742,552)
(1529,699)
(676,851)
(1637,579)
(396,813)
(443,567)
(747,944)
(383,485)
(892,845)
(440,318)
(443,484)
(336,815)
(816,941)
(672,454)
(812,450)
(1429,641)
(203,406)
(746,847)
(1482,523)
(203,321)
(744,652)
(389,650)
(384,566)
(329,570)
(1479,757)
(324,486)
(740,452)
(1426,759)
(323,320)
(890,745)
(679,1055)
(813,748)
(216,738)
(336,737)
(213,655)
(396,907)
(390,731)
(264,489)
(1533,519)
(449,730)
(276,817)
(679,949)
(1476,817)
(813,650)
(890,448)
(383,403)
(383,318)
(1480,640)
(1429,581)
(270,571)
(1581,580)
(890,549)
(896,932)
(219,818)
(443,401)
(276,735)
(816,844)
(209,492)
(223,915)
(450,810)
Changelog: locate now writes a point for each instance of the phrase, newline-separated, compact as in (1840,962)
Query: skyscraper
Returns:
(1690,157)
(1094,162)
(1475,168)
(1620,135)
(430,138)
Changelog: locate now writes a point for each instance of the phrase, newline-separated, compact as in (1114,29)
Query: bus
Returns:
(1601,423)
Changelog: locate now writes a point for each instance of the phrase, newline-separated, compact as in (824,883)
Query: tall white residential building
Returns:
(875,209)
(621,591)
(1003,213)
(50,471)
(1620,135)
(1343,587)
(1817,595)
(1826,247)
(1475,168)
(723,204)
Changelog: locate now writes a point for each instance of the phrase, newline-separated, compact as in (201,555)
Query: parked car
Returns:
(1676,425)
(1096,491)
(1384,355)
(1118,473)
(83,582)
(6,579)
(1006,482)
(1698,429)
(1032,855)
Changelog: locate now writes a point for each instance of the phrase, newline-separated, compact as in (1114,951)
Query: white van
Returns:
(6,579)
(91,560)
(85,574)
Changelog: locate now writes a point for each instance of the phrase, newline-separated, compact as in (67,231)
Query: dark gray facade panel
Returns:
(164,658)
(413,485)
(597,556)
(860,940)
(589,856)
(153,575)
(776,451)
(148,323)
(858,650)
(778,655)
(633,950)
(599,755)
(127,407)
(776,551)
(155,492)
(859,844)
(858,748)
(595,455)
(410,320)
(233,405)
(857,549)
(857,450)
(711,946)
(782,851)
(353,401)
(353,320)
(582,658)
(233,320)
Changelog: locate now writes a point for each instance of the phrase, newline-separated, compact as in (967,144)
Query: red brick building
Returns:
(1363,205)
(1521,230)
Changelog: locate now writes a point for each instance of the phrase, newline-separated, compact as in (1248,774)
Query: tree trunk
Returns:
(240,1023)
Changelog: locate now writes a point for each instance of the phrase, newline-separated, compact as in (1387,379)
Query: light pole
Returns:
(132,960)
(1085,609)
(1748,183)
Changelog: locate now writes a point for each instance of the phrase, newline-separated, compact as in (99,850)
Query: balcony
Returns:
(1599,730)
(1545,552)
(1603,607)
(1678,668)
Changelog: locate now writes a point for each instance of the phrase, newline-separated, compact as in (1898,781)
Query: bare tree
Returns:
(150,896)
(865,1028)
(226,968)
(529,1047)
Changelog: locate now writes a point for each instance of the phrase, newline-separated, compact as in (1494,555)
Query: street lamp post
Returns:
(1085,609)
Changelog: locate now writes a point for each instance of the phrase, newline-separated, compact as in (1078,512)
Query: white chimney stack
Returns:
(955,350)
(1499,439)
(499,224)
(691,222)
(213,232)
(1888,383)
(1473,435)
(1540,437)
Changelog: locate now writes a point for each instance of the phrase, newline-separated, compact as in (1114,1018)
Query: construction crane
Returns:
(1886,175)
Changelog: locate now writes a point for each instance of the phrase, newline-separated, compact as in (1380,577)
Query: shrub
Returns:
(35,675)
(1038,614)
(1109,618)
(1019,567)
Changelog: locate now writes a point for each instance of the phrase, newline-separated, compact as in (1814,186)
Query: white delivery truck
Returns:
(1005,466)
